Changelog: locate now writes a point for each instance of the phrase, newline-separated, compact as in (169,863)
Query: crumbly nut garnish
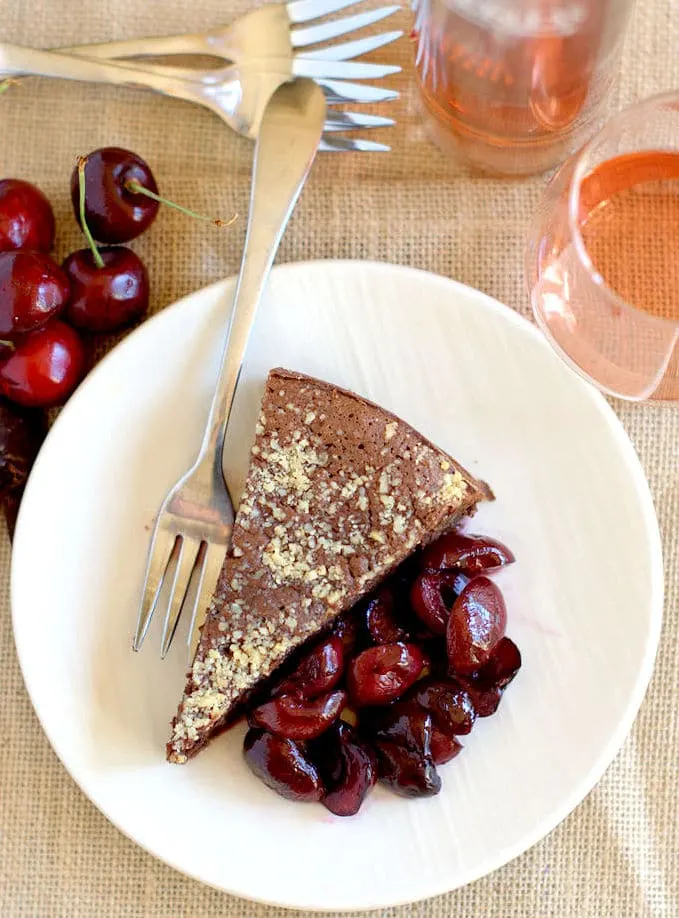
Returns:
(453,488)
(390,429)
(400,524)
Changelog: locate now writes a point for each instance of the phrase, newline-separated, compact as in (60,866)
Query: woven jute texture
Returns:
(617,855)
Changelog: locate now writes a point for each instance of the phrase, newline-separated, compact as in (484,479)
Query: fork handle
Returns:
(259,32)
(288,139)
(154,46)
(16,60)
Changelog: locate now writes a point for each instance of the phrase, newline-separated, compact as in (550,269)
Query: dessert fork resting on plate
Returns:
(258,53)
(192,532)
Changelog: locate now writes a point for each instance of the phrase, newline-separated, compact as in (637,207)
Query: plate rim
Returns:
(656,604)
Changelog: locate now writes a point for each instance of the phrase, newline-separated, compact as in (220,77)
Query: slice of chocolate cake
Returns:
(339,491)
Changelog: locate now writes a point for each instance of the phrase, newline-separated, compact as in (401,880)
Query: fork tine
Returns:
(180,572)
(201,590)
(312,35)
(351,121)
(339,91)
(306,10)
(194,592)
(161,551)
(351,49)
(341,70)
(344,145)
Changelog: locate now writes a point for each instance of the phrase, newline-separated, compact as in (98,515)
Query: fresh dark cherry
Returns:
(402,738)
(26,217)
(443,747)
(486,700)
(317,672)
(33,289)
(486,686)
(472,554)
(348,768)
(44,367)
(406,572)
(21,434)
(437,656)
(114,213)
(449,704)
(348,630)
(406,772)
(502,665)
(22,431)
(414,693)
(477,622)
(380,619)
(282,766)
(405,724)
(298,718)
(432,596)
(382,674)
(104,299)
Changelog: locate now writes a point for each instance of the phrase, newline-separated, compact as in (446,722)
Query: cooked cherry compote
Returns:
(387,694)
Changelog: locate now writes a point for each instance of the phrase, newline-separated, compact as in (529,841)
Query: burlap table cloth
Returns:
(617,856)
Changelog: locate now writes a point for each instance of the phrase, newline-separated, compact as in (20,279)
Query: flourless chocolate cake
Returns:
(339,492)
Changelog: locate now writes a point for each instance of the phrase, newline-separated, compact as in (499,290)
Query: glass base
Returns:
(497,156)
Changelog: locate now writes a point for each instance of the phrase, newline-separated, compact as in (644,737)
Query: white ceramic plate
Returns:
(584,598)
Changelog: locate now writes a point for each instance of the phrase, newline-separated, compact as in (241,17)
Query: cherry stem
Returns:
(10,344)
(135,188)
(98,260)
(5,84)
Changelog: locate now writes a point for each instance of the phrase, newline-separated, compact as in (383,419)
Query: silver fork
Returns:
(238,93)
(193,527)
(263,33)
(263,44)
